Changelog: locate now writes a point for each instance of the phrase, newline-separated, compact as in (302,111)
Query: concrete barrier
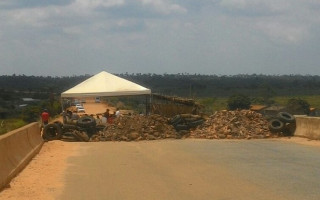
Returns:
(17,148)
(308,127)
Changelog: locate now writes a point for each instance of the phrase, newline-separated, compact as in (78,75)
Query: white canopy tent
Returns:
(105,84)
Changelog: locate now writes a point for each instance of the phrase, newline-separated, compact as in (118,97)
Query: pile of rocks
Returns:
(244,124)
(137,127)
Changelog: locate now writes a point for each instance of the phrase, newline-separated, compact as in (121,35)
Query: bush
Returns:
(31,113)
(10,124)
(239,101)
(298,106)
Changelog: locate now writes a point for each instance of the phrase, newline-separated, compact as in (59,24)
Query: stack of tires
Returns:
(186,121)
(283,123)
(52,131)
(81,131)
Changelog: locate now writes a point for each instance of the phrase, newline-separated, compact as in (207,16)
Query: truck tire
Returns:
(180,127)
(52,132)
(81,136)
(275,125)
(286,117)
(60,124)
(68,127)
(289,129)
(176,120)
(69,137)
(86,122)
(196,123)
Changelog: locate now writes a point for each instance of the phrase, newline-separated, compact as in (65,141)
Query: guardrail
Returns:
(17,148)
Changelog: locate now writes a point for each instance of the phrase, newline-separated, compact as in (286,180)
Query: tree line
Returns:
(184,85)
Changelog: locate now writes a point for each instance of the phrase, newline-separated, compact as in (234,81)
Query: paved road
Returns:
(194,169)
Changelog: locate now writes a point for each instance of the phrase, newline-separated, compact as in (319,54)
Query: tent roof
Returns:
(105,84)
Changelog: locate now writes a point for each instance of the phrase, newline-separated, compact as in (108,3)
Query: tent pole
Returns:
(146,105)
(61,100)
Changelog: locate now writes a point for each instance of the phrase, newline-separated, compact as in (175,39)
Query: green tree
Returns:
(239,101)
(31,113)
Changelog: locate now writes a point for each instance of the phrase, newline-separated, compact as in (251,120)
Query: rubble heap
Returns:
(137,127)
(242,124)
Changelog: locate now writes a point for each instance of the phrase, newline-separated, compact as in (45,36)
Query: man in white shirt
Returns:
(117,112)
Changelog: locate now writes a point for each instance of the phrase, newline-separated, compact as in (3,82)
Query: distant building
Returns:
(30,100)
(25,102)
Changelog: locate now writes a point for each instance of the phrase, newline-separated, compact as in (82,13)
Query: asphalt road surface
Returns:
(194,169)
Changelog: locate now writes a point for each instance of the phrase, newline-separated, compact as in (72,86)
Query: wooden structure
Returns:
(169,106)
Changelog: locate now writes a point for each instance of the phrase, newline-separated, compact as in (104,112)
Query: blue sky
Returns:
(222,37)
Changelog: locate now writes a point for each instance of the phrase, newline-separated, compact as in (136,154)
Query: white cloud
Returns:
(280,20)
(257,6)
(164,7)
(204,36)
(93,4)
(278,31)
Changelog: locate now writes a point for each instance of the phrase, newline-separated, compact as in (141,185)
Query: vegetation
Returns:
(202,86)
(239,101)
(298,106)
(137,103)
(183,85)
(7,125)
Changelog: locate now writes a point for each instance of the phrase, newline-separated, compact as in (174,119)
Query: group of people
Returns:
(107,117)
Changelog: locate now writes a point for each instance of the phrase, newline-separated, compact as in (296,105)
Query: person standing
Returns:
(45,117)
(105,116)
(117,113)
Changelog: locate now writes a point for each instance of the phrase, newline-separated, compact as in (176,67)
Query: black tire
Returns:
(286,117)
(180,127)
(289,129)
(69,137)
(86,122)
(275,125)
(68,128)
(175,120)
(52,132)
(81,136)
(196,123)
(60,124)
(100,127)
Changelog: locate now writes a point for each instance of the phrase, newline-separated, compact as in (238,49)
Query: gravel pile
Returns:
(242,124)
(137,127)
